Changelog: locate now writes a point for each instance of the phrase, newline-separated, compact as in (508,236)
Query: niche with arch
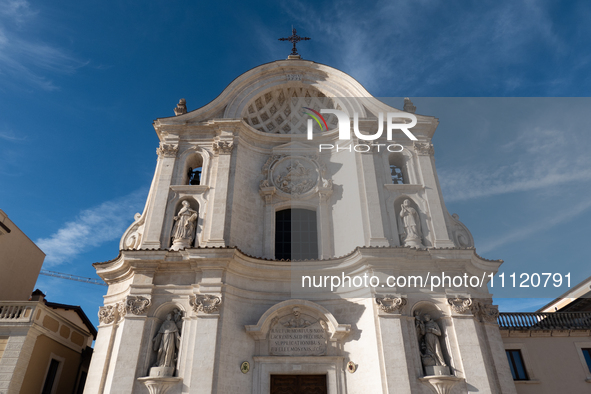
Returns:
(194,225)
(165,339)
(420,237)
(432,330)
(193,170)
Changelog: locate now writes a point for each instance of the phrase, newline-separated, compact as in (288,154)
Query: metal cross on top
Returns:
(294,38)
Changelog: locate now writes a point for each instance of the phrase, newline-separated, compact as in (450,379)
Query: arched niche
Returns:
(193,157)
(154,322)
(424,228)
(174,206)
(419,311)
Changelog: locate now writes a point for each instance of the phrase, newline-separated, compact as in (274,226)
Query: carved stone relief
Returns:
(206,303)
(424,148)
(107,314)
(223,147)
(485,312)
(297,176)
(460,233)
(460,305)
(137,305)
(391,304)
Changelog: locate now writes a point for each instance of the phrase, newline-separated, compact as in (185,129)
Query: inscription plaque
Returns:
(297,335)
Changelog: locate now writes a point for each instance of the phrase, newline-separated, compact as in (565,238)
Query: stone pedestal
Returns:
(437,370)
(160,385)
(161,372)
(440,384)
(181,243)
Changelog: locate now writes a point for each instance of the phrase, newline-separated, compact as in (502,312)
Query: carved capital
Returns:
(223,147)
(424,148)
(107,314)
(121,312)
(390,303)
(167,150)
(205,303)
(137,305)
(460,305)
(485,312)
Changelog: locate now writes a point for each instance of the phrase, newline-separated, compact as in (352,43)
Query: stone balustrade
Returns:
(544,321)
(14,311)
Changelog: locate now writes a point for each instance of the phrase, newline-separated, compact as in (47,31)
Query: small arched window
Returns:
(397,169)
(296,234)
(193,170)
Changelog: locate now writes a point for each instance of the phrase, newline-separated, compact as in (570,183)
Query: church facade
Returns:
(276,255)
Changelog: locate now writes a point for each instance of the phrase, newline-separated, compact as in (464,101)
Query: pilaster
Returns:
(219,195)
(426,161)
(158,196)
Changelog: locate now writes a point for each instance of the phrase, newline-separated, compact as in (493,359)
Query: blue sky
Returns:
(81,82)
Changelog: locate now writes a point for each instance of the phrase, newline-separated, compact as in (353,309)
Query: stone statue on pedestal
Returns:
(183,232)
(429,336)
(167,343)
(412,225)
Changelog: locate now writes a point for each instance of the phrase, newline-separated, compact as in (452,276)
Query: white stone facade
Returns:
(235,302)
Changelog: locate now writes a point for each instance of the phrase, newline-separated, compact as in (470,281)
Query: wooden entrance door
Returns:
(298,384)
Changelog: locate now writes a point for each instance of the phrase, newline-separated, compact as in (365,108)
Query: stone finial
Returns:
(181,107)
(408,106)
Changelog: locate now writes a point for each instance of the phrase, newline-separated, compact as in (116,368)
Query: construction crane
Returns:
(72,277)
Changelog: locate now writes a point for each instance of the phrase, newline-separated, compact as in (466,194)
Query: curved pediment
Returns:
(261,97)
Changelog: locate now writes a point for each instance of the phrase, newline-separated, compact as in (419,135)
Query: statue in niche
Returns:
(183,232)
(167,343)
(429,337)
(412,225)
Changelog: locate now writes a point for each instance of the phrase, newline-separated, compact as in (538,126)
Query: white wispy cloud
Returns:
(383,41)
(524,232)
(9,135)
(536,159)
(24,57)
(91,228)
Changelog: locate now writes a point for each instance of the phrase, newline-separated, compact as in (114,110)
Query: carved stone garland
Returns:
(205,303)
(390,303)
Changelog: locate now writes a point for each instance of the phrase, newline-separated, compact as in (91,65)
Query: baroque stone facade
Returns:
(185,317)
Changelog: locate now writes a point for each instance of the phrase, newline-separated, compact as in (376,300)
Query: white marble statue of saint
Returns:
(412,225)
(166,343)
(183,232)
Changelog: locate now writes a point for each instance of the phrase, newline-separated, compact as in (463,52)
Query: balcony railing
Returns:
(12,312)
(544,321)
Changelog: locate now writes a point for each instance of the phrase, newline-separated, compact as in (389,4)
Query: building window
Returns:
(587,355)
(396,174)
(296,235)
(51,375)
(516,364)
(396,164)
(194,176)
